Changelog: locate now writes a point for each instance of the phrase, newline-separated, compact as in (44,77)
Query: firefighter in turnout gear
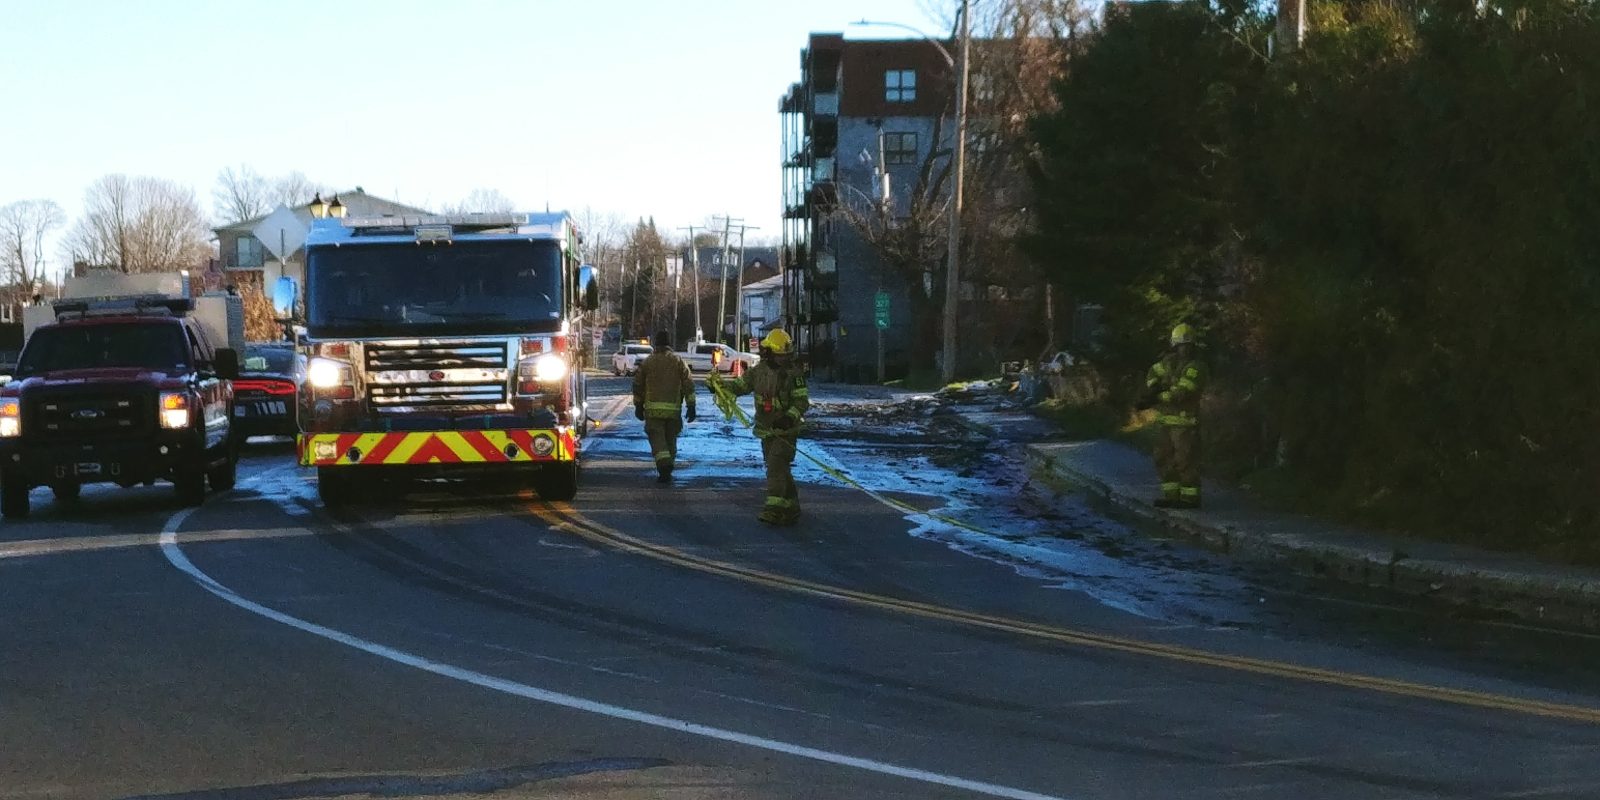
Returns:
(1173,388)
(662,387)
(781,400)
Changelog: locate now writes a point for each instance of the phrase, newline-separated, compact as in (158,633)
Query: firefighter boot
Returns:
(1170,495)
(1189,497)
(773,513)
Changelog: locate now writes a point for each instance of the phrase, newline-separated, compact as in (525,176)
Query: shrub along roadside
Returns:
(1392,238)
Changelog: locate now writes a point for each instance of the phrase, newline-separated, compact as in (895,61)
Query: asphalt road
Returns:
(652,641)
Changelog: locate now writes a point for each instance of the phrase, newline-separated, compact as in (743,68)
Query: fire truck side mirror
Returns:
(588,288)
(284,293)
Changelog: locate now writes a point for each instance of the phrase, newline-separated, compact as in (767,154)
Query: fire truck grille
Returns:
(437,375)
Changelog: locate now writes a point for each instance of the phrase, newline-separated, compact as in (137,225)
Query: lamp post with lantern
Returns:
(322,209)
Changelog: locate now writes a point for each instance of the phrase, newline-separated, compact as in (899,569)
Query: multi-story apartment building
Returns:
(861,109)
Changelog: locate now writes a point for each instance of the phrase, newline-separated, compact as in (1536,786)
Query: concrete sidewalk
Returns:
(1520,585)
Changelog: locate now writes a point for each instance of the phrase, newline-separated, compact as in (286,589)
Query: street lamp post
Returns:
(952,292)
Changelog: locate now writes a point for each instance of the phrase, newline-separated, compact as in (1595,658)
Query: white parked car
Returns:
(626,360)
(700,357)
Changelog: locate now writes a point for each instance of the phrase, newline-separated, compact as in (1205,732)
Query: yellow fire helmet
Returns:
(1183,334)
(777,341)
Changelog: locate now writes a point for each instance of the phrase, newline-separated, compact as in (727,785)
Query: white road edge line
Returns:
(174,555)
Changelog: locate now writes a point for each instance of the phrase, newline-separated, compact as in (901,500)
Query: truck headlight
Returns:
(324,373)
(550,368)
(174,410)
(10,418)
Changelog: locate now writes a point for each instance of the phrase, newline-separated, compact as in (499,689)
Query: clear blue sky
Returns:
(633,106)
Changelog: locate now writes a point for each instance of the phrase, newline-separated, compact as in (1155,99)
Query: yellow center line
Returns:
(568,518)
(604,535)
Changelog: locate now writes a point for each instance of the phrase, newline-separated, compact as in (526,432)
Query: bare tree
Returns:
(241,193)
(23,228)
(139,224)
(294,189)
(1019,51)
(604,236)
(483,201)
(1027,45)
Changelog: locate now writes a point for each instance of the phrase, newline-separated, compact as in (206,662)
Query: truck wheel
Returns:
(13,498)
(67,492)
(191,485)
(557,482)
(334,489)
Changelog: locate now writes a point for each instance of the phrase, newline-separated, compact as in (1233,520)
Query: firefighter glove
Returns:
(689,415)
(638,412)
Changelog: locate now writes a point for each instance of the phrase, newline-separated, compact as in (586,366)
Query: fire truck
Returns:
(444,346)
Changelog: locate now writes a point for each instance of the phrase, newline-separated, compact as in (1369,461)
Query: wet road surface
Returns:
(655,641)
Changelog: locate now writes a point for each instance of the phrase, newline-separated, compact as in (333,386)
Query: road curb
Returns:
(1571,601)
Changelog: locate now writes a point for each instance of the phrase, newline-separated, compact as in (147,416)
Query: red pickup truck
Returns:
(126,393)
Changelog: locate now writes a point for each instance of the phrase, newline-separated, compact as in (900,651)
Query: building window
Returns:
(247,252)
(7,314)
(900,85)
(899,148)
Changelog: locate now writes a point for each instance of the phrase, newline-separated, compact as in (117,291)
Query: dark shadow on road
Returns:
(476,782)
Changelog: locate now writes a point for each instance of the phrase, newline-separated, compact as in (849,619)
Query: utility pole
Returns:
(722,299)
(694,266)
(739,312)
(952,289)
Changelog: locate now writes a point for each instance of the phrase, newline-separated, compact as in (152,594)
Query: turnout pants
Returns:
(663,433)
(1177,459)
(778,452)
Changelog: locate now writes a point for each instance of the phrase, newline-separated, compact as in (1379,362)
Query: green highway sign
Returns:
(881,304)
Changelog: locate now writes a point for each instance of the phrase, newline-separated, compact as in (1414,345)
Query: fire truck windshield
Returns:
(459,288)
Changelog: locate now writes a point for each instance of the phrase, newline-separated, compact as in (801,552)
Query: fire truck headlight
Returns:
(324,373)
(549,368)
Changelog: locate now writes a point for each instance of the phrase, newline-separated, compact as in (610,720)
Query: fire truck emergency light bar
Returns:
(453,220)
(443,227)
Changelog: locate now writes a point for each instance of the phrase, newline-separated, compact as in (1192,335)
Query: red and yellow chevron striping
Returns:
(437,447)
